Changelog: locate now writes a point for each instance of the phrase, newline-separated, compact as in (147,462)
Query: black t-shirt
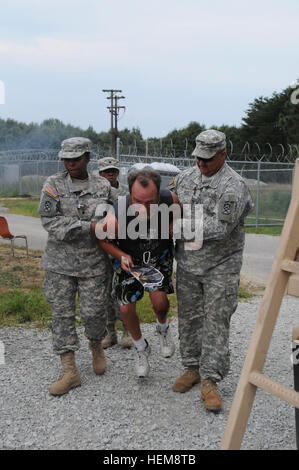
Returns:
(156,240)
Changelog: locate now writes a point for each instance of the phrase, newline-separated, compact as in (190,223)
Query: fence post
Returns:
(37,177)
(257,194)
(20,180)
(117,148)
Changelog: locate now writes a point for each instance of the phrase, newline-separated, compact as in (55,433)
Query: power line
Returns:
(114,111)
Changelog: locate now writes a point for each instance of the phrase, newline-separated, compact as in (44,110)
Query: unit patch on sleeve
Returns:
(51,191)
(226,210)
(47,206)
(227,207)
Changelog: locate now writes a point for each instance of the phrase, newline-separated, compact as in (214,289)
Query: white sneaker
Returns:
(167,346)
(142,365)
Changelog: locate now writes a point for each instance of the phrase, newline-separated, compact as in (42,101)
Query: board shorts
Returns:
(126,289)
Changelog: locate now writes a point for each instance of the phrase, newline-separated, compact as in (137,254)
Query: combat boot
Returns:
(126,339)
(185,382)
(211,395)
(111,338)
(98,357)
(70,376)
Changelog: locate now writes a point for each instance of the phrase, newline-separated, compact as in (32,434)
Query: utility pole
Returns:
(114,111)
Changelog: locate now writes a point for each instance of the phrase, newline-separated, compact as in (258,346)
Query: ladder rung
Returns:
(290,266)
(275,388)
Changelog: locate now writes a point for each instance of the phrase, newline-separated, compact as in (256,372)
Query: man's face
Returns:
(77,167)
(144,196)
(211,166)
(111,174)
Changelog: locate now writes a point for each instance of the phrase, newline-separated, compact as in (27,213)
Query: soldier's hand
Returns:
(126,263)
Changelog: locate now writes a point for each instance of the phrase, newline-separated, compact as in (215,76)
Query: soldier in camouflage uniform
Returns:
(208,277)
(73,261)
(109,169)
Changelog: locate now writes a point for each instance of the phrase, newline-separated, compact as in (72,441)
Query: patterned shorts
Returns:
(126,289)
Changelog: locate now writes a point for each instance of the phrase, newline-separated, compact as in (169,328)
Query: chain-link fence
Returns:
(270,183)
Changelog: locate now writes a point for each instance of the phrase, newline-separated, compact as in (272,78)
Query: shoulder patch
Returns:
(227,207)
(51,191)
(172,181)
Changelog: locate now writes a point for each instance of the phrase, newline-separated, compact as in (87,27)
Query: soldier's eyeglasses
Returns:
(207,160)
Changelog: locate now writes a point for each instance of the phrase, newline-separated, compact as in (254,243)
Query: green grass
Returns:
(145,309)
(273,203)
(26,206)
(22,301)
(244,294)
(19,307)
(274,231)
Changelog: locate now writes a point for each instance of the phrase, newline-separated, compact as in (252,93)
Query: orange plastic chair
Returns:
(5,233)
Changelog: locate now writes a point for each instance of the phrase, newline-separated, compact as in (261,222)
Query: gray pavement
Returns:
(258,256)
(257,261)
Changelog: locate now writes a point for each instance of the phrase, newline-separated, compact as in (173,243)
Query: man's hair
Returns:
(144,176)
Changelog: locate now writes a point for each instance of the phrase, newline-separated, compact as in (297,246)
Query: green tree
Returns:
(289,119)
(262,123)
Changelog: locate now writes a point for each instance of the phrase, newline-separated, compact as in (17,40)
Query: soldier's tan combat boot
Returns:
(70,376)
(111,338)
(185,382)
(98,357)
(211,395)
(126,339)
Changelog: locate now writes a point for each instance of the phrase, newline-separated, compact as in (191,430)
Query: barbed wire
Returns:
(146,150)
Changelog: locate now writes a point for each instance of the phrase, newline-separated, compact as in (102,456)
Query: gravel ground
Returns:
(119,411)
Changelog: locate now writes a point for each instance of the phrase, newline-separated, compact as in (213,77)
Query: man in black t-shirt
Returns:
(151,248)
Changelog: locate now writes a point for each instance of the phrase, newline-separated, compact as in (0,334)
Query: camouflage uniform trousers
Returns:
(113,310)
(60,291)
(205,306)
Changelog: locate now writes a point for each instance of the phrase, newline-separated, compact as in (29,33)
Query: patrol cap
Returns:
(208,143)
(74,147)
(107,163)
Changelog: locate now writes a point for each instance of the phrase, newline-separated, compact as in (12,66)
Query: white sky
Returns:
(175,61)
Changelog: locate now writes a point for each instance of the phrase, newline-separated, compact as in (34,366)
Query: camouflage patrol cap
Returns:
(208,143)
(107,163)
(74,147)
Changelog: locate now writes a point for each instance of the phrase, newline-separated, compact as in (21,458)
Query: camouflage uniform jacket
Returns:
(117,192)
(226,201)
(66,213)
